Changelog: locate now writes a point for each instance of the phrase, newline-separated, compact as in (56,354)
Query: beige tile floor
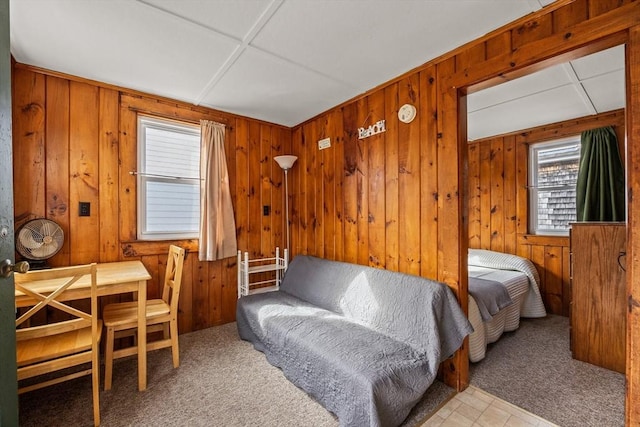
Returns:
(477,408)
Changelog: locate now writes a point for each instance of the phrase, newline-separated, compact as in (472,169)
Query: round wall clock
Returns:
(407,113)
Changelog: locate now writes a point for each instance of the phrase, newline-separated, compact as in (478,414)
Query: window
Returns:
(168,179)
(553,173)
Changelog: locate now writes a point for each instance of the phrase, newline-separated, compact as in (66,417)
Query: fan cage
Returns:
(39,239)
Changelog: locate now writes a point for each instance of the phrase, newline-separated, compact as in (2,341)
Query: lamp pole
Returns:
(286,163)
(286,204)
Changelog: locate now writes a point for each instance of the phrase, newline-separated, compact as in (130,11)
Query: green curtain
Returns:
(600,187)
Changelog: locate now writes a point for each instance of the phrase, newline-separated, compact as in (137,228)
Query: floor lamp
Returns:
(286,163)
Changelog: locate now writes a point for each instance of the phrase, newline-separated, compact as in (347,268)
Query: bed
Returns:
(521,281)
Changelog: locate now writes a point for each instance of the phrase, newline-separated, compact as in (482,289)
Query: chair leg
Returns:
(108,358)
(95,385)
(175,351)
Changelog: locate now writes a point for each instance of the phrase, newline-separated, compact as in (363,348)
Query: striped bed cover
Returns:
(521,279)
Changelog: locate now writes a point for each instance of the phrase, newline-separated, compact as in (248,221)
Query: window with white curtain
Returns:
(553,174)
(168,179)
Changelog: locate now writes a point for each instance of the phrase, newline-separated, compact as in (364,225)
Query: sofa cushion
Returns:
(399,305)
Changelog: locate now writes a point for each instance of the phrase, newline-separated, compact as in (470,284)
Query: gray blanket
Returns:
(490,296)
(366,343)
(533,305)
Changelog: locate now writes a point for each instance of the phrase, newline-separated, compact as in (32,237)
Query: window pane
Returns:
(558,165)
(553,176)
(172,207)
(556,208)
(172,153)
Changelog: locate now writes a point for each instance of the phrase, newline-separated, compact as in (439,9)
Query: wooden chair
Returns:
(120,319)
(74,341)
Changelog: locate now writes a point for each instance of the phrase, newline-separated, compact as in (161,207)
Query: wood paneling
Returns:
(598,313)
(77,141)
(428,173)
(84,119)
(108,175)
(28,99)
(498,168)
(57,149)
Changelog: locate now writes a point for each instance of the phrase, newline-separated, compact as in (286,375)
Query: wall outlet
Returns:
(324,143)
(266,210)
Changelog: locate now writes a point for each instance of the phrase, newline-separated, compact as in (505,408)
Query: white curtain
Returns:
(217,223)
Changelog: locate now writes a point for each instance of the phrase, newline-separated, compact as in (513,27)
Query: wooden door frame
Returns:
(620,26)
(632,409)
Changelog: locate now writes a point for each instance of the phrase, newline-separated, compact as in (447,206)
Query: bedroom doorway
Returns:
(502,122)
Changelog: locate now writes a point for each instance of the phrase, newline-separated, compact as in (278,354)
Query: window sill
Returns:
(139,248)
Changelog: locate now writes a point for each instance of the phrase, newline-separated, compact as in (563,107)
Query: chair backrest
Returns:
(47,288)
(173,277)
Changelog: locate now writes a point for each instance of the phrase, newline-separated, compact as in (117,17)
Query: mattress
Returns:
(507,319)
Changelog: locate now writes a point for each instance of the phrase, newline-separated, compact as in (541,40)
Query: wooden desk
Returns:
(113,278)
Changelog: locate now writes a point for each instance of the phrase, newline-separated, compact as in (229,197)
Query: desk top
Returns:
(112,278)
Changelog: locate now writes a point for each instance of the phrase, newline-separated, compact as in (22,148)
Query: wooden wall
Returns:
(359,201)
(399,200)
(498,201)
(75,140)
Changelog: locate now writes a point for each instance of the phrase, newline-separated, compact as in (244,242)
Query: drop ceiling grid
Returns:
(273,88)
(366,46)
(234,19)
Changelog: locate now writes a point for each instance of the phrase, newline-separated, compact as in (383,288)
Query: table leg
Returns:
(142,335)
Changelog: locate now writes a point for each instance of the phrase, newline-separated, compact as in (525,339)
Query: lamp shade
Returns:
(285,162)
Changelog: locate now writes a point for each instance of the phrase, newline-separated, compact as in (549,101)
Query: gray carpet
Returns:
(221,381)
(533,369)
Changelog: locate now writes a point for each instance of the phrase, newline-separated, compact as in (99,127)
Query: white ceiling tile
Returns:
(268,88)
(130,45)
(365,43)
(555,105)
(600,63)
(540,81)
(232,17)
(607,92)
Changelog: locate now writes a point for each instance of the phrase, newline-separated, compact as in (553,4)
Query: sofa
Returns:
(365,343)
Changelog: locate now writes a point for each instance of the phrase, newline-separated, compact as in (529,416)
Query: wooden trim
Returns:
(534,240)
(173,110)
(578,40)
(160,247)
(632,412)
(150,113)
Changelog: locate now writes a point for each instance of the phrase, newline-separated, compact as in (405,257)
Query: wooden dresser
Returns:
(598,307)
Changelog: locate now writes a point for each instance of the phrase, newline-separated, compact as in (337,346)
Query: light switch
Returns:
(84,209)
